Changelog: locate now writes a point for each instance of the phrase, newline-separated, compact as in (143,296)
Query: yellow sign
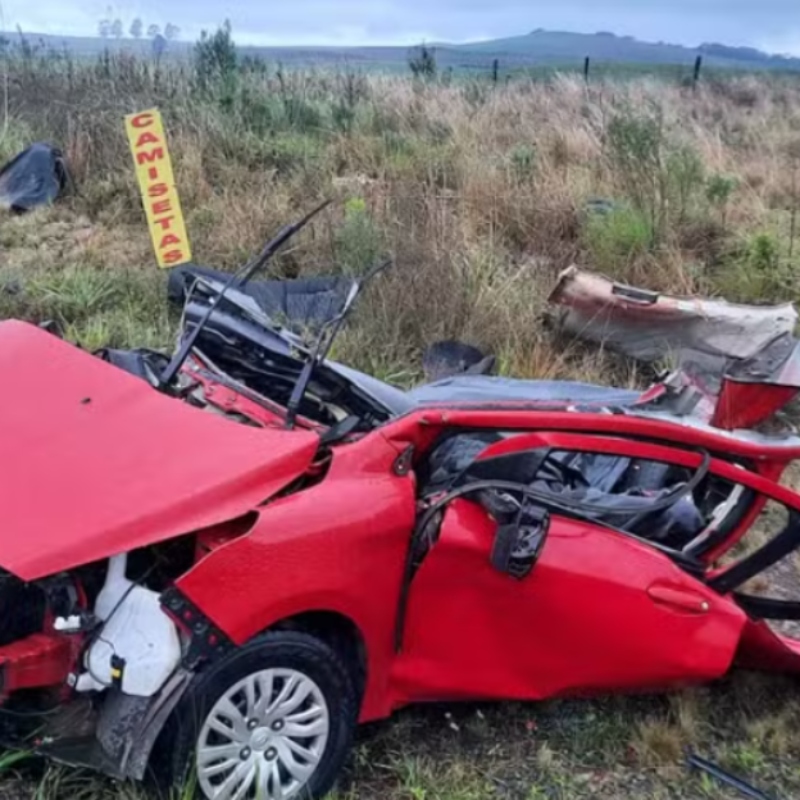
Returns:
(157,185)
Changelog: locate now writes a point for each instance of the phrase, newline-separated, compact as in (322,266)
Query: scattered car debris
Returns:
(602,206)
(260,352)
(248,548)
(725,778)
(736,366)
(649,326)
(301,304)
(306,304)
(448,358)
(35,177)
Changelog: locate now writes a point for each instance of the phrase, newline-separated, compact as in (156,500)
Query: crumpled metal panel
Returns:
(649,326)
(97,462)
(490,389)
(303,304)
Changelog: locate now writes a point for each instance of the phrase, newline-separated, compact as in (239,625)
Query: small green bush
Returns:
(304,116)
(359,242)
(663,178)
(719,191)
(351,92)
(261,114)
(686,178)
(764,253)
(523,161)
(344,117)
(756,272)
(215,57)
(616,239)
(422,62)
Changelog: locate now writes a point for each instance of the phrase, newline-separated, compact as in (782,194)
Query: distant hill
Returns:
(537,49)
(557,46)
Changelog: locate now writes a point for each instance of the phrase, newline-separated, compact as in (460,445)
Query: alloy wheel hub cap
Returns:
(264,738)
(260,739)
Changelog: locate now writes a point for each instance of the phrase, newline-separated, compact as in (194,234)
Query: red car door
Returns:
(600,610)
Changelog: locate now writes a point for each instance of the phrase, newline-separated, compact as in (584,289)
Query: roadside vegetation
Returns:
(483,192)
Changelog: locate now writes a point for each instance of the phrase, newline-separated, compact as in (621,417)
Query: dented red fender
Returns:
(97,462)
(337,547)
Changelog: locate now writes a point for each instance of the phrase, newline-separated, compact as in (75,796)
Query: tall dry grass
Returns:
(482,193)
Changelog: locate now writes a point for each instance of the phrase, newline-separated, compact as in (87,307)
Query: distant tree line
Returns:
(112,27)
(749,54)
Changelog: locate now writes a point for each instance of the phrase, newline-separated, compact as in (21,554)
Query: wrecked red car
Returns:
(223,564)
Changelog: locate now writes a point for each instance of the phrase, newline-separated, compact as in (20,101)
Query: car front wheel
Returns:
(273,721)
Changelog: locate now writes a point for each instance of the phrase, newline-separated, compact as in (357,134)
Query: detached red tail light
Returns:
(745,405)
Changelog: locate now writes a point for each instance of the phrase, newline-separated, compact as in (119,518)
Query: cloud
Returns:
(738,22)
(788,43)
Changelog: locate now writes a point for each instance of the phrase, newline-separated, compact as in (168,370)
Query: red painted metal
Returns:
(220,396)
(36,661)
(584,621)
(684,600)
(473,632)
(99,463)
(745,405)
(508,416)
(338,547)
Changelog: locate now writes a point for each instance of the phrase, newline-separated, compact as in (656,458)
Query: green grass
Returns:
(608,748)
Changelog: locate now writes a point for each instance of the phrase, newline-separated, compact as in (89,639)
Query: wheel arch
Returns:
(306,636)
(337,630)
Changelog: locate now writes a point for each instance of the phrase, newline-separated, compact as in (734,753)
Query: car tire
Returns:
(301,741)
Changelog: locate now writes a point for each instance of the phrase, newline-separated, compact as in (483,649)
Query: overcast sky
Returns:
(769,24)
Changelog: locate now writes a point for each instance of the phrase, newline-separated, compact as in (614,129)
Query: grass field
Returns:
(482,193)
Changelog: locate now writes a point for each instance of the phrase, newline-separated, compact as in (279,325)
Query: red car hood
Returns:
(96,462)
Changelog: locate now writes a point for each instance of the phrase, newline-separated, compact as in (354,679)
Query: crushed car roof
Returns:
(99,463)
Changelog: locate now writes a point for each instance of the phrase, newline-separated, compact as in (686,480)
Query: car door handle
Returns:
(678,599)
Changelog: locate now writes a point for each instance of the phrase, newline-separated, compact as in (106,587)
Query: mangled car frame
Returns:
(223,563)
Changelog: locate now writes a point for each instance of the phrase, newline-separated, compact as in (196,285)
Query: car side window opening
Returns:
(683,509)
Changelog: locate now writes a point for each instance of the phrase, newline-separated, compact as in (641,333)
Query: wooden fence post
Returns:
(698,66)
(586,68)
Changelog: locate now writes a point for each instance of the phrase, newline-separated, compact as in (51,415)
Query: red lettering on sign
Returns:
(162,206)
(156,154)
(164,222)
(157,190)
(147,138)
(152,173)
(144,120)
(168,240)
(174,257)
